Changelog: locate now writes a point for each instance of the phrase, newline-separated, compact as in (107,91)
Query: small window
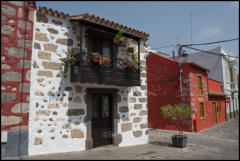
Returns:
(100,43)
(201,107)
(200,86)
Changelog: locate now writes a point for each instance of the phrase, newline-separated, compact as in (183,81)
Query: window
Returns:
(227,74)
(200,86)
(201,107)
(99,42)
(231,74)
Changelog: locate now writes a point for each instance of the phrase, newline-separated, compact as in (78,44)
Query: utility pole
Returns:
(191,23)
(180,65)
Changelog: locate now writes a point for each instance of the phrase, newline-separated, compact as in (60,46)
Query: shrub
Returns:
(176,113)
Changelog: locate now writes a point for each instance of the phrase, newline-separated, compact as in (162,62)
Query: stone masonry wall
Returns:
(16,51)
(58,107)
(14,57)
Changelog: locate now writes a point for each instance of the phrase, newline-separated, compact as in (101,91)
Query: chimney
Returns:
(173,54)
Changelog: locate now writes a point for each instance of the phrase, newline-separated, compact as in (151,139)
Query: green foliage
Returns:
(135,62)
(95,54)
(175,113)
(70,59)
(119,36)
(106,55)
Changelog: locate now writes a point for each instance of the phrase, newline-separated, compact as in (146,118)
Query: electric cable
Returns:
(211,52)
(164,46)
(215,42)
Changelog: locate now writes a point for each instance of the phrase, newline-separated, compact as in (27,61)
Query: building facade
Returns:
(17,22)
(222,68)
(94,104)
(164,88)
(217,101)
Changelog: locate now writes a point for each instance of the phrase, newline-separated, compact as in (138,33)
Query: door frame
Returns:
(215,112)
(117,138)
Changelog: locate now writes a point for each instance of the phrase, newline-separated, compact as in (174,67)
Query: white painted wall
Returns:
(226,61)
(46,123)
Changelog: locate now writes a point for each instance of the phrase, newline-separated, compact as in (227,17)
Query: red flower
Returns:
(60,58)
(72,62)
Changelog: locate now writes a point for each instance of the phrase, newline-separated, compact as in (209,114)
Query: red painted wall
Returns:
(215,86)
(207,122)
(13,13)
(164,89)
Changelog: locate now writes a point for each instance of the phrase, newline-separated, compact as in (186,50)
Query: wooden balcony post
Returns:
(139,41)
(81,37)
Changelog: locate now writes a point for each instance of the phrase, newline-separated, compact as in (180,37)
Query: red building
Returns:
(217,99)
(164,88)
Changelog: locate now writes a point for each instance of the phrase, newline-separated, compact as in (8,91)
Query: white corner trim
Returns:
(4,136)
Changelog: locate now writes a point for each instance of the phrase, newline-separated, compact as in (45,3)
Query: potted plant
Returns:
(118,38)
(95,57)
(130,49)
(176,114)
(106,59)
(127,64)
(70,59)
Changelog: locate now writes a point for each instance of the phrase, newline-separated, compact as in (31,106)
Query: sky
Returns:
(167,22)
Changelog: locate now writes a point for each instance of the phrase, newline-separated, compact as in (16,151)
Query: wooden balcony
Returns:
(105,74)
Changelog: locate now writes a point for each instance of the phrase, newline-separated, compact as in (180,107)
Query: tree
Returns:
(176,113)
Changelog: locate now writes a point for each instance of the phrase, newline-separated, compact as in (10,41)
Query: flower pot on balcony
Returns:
(127,64)
(106,60)
(116,41)
(95,59)
(179,141)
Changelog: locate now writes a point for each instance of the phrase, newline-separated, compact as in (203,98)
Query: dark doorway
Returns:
(102,120)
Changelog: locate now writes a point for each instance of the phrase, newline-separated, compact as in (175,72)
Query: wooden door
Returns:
(214,112)
(101,119)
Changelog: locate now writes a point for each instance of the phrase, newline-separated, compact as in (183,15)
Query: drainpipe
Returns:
(139,44)
(81,38)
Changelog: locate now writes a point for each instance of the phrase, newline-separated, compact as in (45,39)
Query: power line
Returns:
(215,42)
(163,47)
(211,52)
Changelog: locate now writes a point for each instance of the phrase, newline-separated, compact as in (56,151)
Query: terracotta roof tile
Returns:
(97,19)
(52,12)
(94,19)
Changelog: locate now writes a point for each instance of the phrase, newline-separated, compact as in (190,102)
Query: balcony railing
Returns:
(114,73)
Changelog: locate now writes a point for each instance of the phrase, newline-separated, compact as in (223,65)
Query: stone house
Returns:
(95,104)
(222,68)
(164,88)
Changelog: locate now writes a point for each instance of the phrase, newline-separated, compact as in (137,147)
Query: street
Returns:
(219,142)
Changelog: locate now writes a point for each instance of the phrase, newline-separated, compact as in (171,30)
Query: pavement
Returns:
(218,143)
